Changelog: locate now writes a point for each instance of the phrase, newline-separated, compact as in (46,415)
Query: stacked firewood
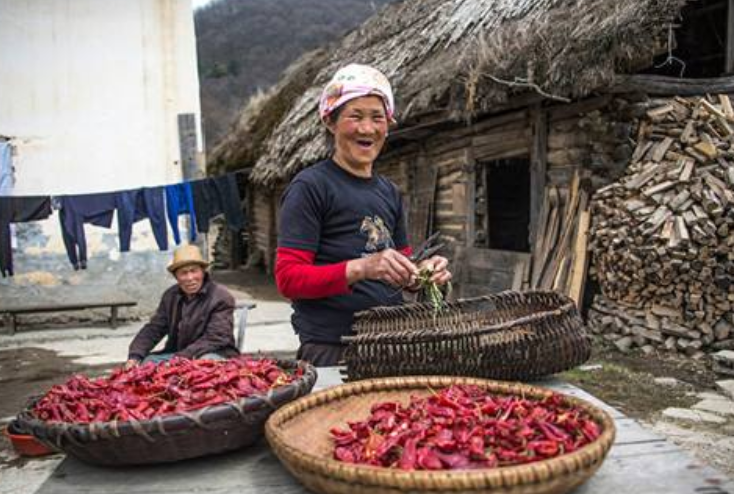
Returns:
(662,236)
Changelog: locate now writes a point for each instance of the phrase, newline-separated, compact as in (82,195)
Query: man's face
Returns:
(190,278)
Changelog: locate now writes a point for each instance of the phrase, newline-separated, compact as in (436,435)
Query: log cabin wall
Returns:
(594,135)
(263,226)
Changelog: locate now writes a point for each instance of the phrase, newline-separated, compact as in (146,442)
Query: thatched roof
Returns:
(452,57)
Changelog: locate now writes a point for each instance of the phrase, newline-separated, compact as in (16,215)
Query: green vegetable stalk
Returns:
(432,292)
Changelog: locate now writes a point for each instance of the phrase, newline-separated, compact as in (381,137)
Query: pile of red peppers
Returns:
(151,390)
(465,427)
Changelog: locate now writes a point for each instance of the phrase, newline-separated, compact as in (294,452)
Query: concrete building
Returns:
(96,97)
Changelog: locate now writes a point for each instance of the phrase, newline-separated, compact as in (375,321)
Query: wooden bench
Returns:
(11,312)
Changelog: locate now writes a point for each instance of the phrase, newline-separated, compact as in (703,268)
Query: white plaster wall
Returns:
(90,91)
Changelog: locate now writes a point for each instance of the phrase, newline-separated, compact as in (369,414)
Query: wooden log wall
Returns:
(263,233)
(594,135)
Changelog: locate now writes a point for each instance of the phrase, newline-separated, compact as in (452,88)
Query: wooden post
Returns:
(578,276)
(471,200)
(113,317)
(538,166)
(12,323)
(188,145)
(729,68)
(191,168)
(485,187)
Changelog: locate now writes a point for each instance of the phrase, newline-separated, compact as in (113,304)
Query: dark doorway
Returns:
(698,45)
(508,204)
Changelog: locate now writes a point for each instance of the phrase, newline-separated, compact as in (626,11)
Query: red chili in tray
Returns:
(465,427)
(151,390)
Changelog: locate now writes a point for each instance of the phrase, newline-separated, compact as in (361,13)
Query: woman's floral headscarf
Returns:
(355,81)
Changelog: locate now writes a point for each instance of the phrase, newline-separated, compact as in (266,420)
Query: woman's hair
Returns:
(332,118)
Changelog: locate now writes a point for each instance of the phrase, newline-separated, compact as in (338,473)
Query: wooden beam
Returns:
(538,167)
(671,86)
(729,67)
(580,263)
(560,112)
(485,187)
(471,197)
(188,145)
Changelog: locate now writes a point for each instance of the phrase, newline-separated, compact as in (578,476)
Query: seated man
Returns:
(196,315)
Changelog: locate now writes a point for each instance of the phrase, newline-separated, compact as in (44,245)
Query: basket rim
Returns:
(366,335)
(547,470)
(375,312)
(174,421)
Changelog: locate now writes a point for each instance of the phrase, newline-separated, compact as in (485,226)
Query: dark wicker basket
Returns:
(510,336)
(210,430)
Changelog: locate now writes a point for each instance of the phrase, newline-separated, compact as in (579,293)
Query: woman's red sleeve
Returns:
(297,277)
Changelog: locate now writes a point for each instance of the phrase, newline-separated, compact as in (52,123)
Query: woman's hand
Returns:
(387,265)
(438,266)
(131,363)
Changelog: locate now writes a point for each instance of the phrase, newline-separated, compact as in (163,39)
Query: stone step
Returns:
(726,387)
(719,407)
(694,416)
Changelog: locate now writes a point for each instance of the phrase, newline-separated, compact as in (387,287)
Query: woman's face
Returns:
(359,132)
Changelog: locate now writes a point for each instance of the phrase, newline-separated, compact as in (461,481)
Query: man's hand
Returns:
(387,265)
(131,363)
(438,266)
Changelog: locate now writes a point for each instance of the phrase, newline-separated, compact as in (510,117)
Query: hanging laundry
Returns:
(18,210)
(179,200)
(136,205)
(96,209)
(214,196)
(6,169)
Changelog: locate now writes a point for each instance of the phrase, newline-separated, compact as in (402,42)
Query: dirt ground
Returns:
(253,281)
(627,381)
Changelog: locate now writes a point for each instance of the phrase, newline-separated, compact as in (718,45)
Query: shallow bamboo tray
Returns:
(299,435)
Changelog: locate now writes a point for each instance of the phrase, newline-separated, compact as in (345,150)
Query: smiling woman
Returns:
(342,243)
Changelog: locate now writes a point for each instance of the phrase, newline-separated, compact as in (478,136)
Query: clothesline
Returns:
(201,199)
(8,193)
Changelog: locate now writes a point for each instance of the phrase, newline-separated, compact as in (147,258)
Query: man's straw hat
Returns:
(186,255)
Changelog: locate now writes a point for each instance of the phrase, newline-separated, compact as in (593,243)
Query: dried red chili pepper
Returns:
(151,390)
(463,427)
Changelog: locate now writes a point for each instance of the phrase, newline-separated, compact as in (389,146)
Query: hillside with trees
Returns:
(244,45)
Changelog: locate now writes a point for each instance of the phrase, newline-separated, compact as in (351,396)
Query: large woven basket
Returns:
(510,336)
(210,430)
(299,435)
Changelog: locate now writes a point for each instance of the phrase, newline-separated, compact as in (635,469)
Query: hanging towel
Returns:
(96,209)
(6,169)
(214,196)
(136,205)
(179,200)
(18,210)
